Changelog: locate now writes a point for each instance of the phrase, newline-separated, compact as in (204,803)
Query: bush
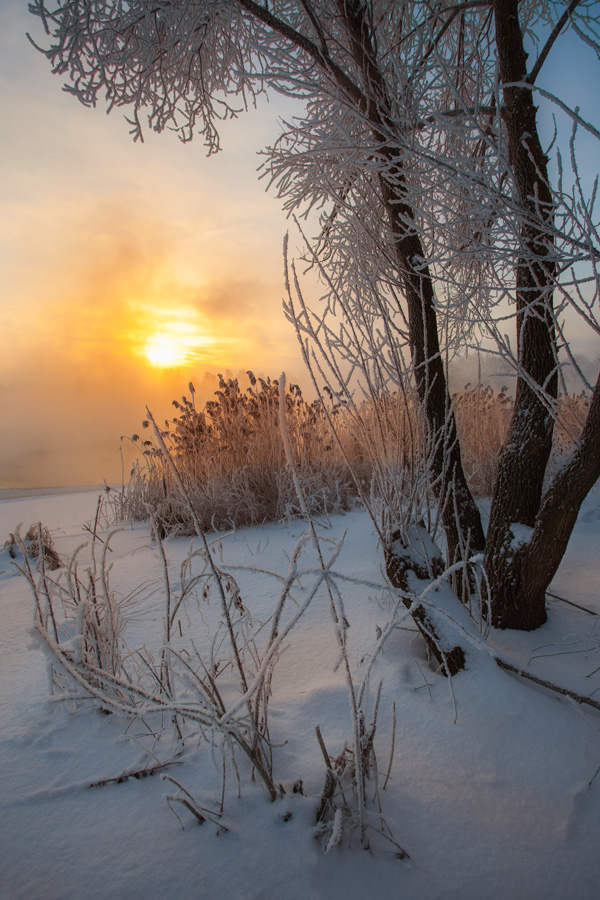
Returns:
(230,457)
(37,544)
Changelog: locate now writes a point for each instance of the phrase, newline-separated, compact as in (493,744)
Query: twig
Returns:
(579,698)
(200,812)
(572,603)
(338,619)
(389,767)
(326,756)
(137,773)
(93,533)
(188,805)
(330,780)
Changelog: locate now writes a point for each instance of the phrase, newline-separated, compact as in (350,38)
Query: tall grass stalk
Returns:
(360,762)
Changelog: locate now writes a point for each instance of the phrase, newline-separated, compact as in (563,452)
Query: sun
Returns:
(165,352)
(176,338)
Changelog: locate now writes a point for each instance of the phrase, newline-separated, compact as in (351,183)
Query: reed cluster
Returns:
(231,459)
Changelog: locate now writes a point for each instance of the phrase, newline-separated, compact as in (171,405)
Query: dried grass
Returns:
(482,419)
(231,459)
(37,538)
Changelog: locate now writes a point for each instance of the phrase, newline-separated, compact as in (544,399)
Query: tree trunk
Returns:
(518,570)
(460,514)
(524,457)
(531,568)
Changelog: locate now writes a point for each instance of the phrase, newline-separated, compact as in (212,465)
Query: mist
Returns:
(74,377)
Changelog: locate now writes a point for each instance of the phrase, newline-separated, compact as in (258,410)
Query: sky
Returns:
(112,253)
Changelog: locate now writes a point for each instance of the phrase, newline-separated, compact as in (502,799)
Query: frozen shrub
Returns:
(36,543)
(231,460)
(230,454)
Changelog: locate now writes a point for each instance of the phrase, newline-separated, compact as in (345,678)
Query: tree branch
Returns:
(309,47)
(579,698)
(551,40)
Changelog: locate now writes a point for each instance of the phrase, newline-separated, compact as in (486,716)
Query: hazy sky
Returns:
(112,252)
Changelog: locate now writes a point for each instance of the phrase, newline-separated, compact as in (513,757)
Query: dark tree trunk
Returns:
(524,457)
(460,514)
(527,573)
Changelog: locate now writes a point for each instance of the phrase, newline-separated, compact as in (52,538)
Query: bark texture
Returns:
(524,458)
(529,571)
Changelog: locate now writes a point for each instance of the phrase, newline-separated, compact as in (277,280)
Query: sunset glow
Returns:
(128,270)
(163,352)
(177,343)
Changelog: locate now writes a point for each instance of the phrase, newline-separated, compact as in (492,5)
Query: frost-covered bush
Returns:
(37,543)
(230,457)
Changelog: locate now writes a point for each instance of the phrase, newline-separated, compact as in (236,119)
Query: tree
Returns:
(421,151)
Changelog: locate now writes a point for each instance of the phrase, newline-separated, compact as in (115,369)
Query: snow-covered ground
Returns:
(489,792)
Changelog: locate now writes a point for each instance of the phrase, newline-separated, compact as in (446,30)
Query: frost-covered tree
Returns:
(441,225)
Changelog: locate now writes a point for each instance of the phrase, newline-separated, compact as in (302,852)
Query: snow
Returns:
(489,792)
(521,535)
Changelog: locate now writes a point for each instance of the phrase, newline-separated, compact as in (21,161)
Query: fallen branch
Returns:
(571,603)
(579,698)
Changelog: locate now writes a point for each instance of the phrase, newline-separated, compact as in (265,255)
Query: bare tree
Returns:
(439,221)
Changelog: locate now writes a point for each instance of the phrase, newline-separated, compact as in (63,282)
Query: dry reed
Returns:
(231,458)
